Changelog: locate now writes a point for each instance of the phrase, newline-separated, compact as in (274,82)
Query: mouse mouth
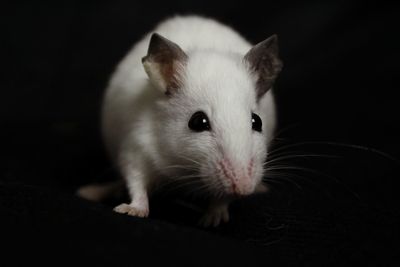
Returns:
(239,191)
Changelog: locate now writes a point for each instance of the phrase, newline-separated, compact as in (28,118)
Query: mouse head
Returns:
(210,116)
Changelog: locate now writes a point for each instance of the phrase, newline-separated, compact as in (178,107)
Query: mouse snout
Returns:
(237,180)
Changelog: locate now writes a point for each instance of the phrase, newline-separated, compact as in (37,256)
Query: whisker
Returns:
(192,160)
(282,156)
(345,145)
(176,185)
(283,176)
(285,129)
(316,172)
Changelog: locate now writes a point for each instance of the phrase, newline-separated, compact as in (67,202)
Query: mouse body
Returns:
(192,103)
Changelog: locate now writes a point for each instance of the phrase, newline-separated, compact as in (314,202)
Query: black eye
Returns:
(256,122)
(199,122)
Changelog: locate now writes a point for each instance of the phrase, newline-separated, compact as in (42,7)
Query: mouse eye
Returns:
(199,122)
(256,122)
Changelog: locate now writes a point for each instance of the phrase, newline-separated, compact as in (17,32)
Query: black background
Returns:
(339,84)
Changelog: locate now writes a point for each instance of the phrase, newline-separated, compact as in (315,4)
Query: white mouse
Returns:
(192,102)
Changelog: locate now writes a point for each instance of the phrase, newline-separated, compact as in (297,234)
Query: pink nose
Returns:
(239,178)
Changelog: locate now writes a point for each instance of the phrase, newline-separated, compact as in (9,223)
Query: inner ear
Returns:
(164,63)
(263,59)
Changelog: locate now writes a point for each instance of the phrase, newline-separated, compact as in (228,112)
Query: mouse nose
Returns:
(238,179)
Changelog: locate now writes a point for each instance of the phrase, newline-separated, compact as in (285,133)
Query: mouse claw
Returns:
(214,216)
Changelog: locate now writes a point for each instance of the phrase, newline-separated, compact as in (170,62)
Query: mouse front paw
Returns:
(215,215)
(132,210)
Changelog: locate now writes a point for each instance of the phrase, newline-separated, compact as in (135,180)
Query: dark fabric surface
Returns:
(338,86)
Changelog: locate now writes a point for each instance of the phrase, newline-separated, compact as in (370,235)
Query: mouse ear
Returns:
(263,60)
(164,63)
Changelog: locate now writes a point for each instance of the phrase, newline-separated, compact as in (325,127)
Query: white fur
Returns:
(146,131)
